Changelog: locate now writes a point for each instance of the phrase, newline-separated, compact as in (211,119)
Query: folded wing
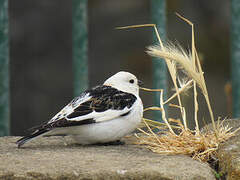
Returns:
(102,103)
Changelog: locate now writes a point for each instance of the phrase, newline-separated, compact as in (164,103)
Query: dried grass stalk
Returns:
(185,86)
(164,114)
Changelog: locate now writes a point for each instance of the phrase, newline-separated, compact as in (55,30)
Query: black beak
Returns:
(140,83)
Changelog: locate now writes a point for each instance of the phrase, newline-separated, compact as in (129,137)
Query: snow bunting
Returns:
(102,114)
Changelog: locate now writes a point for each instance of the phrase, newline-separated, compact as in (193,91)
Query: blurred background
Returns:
(41,52)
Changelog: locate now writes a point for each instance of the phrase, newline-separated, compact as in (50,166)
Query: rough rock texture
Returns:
(49,158)
(229,154)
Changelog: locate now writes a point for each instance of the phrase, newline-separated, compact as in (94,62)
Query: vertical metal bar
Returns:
(80,45)
(4,74)
(235,56)
(159,66)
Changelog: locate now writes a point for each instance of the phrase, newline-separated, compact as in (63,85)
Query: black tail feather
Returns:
(25,139)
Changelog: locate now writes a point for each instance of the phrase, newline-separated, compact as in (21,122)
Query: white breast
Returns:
(108,131)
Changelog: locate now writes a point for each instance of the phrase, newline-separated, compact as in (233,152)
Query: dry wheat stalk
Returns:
(199,145)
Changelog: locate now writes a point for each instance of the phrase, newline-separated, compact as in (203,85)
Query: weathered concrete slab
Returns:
(49,158)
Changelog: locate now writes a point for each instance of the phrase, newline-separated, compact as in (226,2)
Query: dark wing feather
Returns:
(102,99)
(44,128)
(24,139)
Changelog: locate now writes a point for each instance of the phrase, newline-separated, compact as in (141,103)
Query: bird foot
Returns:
(112,143)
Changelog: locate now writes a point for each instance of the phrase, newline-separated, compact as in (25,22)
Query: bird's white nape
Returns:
(124,81)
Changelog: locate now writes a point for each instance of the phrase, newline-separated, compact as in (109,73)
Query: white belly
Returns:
(106,131)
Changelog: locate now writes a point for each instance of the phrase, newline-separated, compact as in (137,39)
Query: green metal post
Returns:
(80,45)
(159,66)
(235,56)
(4,75)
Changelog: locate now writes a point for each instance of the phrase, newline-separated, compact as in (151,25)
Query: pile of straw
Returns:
(174,136)
(200,146)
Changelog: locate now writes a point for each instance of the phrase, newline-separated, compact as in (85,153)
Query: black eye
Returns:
(131,81)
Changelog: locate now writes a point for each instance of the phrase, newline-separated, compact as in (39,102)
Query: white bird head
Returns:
(124,81)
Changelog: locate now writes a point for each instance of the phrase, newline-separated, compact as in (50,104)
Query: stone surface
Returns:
(49,158)
(229,153)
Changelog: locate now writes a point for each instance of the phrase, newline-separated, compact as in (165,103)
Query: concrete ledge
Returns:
(229,153)
(49,158)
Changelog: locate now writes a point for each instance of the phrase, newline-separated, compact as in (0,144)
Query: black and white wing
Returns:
(99,104)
